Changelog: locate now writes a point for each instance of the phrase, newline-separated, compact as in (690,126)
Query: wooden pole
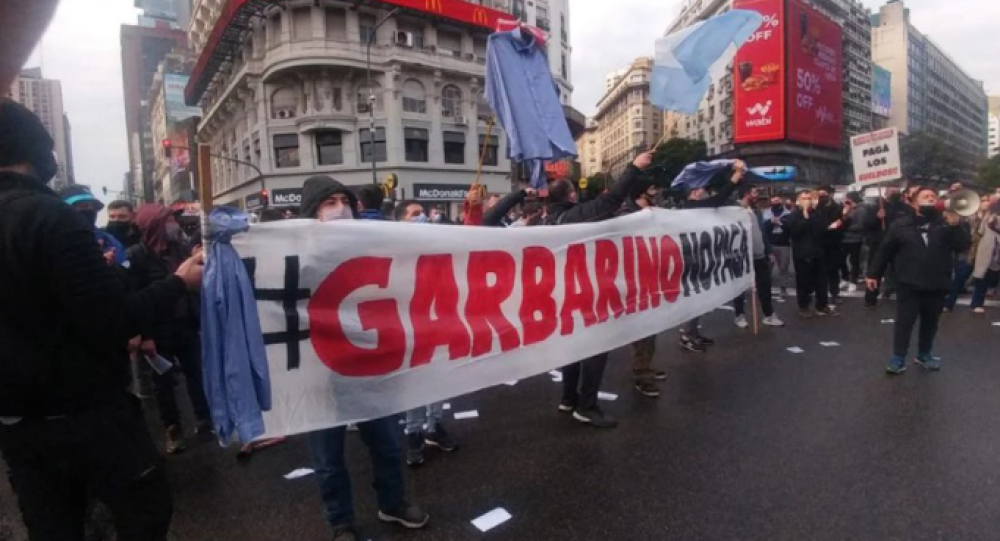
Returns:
(482,155)
(753,295)
(205,194)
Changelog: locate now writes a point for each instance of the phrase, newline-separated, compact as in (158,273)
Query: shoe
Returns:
(408,515)
(702,341)
(784,292)
(773,321)
(648,389)
(929,362)
(741,321)
(595,418)
(829,311)
(660,376)
(440,438)
(345,534)
(175,440)
(567,406)
(414,449)
(352,427)
(691,345)
(844,284)
(836,301)
(806,314)
(896,366)
(979,311)
(852,288)
(204,430)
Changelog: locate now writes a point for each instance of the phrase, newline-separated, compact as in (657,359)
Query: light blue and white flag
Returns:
(689,60)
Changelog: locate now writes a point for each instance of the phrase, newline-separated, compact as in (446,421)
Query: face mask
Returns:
(776,209)
(89,215)
(332,214)
(419,219)
(824,200)
(120,230)
(929,211)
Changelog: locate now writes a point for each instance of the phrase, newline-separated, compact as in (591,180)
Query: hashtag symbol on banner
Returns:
(289,296)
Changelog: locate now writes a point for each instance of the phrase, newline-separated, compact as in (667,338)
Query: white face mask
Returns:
(330,214)
(419,219)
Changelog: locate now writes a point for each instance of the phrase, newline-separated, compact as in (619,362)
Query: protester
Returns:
(327,200)
(921,247)
(121,218)
(582,380)
(833,240)
(762,257)
(87,206)
(370,199)
(691,338)
(643,351)
(987,257)
(473,206)
(161,251)
(69,429)
(498,214)
(854,227)
(777,235)
(808,230)
(890,209)
(413,212)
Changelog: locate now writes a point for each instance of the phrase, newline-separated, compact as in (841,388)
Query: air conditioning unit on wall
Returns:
(404,39)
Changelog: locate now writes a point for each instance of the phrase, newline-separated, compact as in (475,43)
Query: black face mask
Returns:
(929,211)
(824,200)
(120,230)
(776,209)
(89,215)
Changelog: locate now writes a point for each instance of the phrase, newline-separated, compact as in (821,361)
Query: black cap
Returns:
(315,190)
(24,140)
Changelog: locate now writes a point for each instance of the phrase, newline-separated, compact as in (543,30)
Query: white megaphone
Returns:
(965,203)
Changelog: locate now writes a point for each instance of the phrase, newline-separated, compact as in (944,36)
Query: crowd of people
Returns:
(96,320)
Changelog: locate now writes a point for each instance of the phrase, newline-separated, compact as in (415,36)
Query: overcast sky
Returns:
(81,48)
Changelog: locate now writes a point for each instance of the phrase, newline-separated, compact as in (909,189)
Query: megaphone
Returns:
(965,203)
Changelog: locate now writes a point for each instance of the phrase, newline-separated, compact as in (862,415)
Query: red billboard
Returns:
(759,75)
(815,102)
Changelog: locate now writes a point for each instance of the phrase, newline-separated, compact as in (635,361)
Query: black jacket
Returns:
(603,207)
(830,213)
(808,234)
(145,269)
(65,315)
(873,229)
(494,217)
(717,200)
(917,264)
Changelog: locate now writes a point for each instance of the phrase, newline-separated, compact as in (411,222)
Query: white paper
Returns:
(726,308)
(829,344)
(446,406)
(555,374)
(511,383)
(301,472)
(492,519)
(466,415)
(888,321)
(997,324)
(796,350)
(610,397)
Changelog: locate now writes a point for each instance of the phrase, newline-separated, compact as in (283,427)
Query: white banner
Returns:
(368,319)
(876,156)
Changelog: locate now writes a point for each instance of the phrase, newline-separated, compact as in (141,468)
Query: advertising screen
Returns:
(815,99)
(759,76)
(881,91)
(173,87)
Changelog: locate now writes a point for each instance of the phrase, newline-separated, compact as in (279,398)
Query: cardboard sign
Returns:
(876,157)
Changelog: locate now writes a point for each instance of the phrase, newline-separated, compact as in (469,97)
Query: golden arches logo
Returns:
(479,17)
(434,5)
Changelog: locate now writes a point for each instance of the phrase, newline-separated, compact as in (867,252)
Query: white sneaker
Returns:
(853,288)
(844,284)
(741,322)
(773,321)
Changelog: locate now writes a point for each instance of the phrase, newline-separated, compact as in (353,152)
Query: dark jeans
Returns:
(56,466)
(810,278)
(762,279)
(911,304)
(982,287)
(851,270)
(833,261)
(963,271)
(587,374)
(185,349)
(382,436)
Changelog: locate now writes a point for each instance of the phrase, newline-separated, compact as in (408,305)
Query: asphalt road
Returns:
(748,442)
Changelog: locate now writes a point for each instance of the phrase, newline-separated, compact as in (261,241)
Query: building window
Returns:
(416,143)
(364,137)
(284,103)
(363,98)
(336,24)
(454,147)
(273,31)
(302,24)
(489,149)
(451,101)
(564,71)
(329,147)
(286,150)
(414,97)
(366,27)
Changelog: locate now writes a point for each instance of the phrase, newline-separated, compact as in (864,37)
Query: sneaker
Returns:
(408,515)
(896,366)
(852,288)
(829,311)
(741,321)
(567,406)
(806,314)
(691,345)
(660,376)
(345,534)
(414,449)
(929,361)
(175,440)
(844,284)
(204,430)
(440,438)
(773,321)
(703,341)
(595,418)
(648,389)
(979,311)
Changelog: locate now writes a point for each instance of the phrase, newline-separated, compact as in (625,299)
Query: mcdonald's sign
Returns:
(456,10)
(479,17)
(434,5)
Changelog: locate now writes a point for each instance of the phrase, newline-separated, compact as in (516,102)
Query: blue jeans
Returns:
(327,448)
(963,271)
(430,415)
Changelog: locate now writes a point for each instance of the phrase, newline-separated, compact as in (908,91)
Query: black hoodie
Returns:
(315,190)
(921,251)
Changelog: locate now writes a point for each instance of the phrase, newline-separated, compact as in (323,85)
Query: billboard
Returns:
(173,88)
(815,69)
(759,91)
(881,91)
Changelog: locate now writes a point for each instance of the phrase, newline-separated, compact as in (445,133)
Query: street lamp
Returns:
(371,92)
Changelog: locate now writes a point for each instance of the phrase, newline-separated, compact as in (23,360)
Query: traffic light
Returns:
(105,188)
(264,199)
(167,148)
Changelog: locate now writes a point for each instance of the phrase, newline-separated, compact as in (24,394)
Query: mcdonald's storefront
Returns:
(456,10)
